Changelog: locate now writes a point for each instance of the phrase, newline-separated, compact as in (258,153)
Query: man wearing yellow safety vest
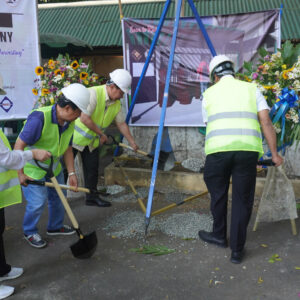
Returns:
(10,193)
(104,107)
(50,128)
(234,111)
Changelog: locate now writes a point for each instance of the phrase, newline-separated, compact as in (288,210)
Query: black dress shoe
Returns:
(237,256)
(210,238)
(97,202)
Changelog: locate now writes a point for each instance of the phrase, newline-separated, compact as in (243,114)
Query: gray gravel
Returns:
(131,224)
(193,164)
(186,225)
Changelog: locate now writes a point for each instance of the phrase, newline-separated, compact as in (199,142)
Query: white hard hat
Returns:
(78,94)
(220,60)
(2,92)
(122,79)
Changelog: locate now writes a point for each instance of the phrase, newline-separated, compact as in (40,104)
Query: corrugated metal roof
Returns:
(99,25)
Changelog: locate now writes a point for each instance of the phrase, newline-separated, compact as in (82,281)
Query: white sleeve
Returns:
(93,102)
(261,102)
(15,159)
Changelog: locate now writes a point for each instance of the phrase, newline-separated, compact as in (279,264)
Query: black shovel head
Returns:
(85,247)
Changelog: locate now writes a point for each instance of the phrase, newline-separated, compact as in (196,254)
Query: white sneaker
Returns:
(14,273)
(6,291)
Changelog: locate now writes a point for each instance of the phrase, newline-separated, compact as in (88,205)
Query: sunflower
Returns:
(35,92)
(75,64)
(45,92)
(83,75)
(39,70)
(51,64)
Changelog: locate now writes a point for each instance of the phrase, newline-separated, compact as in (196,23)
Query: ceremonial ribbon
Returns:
(285,101)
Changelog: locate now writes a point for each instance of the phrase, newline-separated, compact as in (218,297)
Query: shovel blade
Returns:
(85,247)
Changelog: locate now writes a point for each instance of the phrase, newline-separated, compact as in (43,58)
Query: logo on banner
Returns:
(6,104)
(12,2)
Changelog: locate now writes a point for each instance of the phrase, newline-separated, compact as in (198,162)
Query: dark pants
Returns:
(4,267)
(90,162)
(218,169)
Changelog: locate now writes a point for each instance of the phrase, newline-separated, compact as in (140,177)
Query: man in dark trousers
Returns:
(234,111)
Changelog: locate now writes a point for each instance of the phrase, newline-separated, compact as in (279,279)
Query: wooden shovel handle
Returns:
(69,187)
(138,151)
(65,202)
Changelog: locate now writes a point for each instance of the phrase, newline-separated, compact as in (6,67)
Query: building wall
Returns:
(103,65)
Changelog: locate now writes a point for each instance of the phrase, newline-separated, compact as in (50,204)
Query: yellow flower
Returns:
(74,64)
(45,92)
(284,74)
(283,67)
(35,92)
(268,87)
(57,71)
(52,100)
(248,79)
(51,64)
(83,75)
(39,71)
(86,82)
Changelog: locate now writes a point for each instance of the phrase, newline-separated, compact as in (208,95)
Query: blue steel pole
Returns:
(148,59)
(202,27)
(162,117)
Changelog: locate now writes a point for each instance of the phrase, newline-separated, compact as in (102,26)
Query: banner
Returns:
(238,36)
(19,55)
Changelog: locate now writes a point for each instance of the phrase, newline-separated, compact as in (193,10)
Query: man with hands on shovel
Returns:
(50,128)
(10,194)
(104,107)
(234,111)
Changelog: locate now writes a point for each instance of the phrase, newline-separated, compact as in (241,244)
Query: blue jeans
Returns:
(36,197)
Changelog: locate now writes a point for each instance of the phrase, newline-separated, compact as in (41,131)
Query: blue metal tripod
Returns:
(166,89)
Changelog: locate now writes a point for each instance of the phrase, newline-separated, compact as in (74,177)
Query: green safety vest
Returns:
(51,141)
(83,136)
(232,117)
(10,189)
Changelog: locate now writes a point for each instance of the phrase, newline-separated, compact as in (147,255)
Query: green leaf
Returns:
(262,52)
(155,250)
(248,65)
(287,52)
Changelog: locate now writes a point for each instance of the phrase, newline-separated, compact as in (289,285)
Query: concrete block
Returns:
(175,180)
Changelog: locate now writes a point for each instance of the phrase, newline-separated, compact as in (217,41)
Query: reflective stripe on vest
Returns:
(232,117)
(51,141)
(233,114)
(10,189)
(83,136)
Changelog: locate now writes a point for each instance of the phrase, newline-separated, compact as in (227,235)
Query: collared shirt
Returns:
(15,159)
(261,102)
(120,118)
(32,130)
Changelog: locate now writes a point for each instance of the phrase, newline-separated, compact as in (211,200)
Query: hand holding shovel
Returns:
(86,246)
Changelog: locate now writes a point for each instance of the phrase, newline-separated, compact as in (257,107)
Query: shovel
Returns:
(66,187)
(166,160)
(86,246)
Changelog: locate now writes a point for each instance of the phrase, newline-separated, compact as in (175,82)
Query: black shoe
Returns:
(237,256)
(210,238)
(97,202)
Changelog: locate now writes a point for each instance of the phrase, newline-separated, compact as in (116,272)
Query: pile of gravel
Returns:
(131,224)
(193,164)
(128,224)
(186,225)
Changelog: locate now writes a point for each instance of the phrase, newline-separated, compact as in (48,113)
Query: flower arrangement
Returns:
(277,76)
(59,73)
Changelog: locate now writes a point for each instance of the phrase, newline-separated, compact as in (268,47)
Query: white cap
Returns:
(78,94)
(2,92)
(122,79)
(216,61)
